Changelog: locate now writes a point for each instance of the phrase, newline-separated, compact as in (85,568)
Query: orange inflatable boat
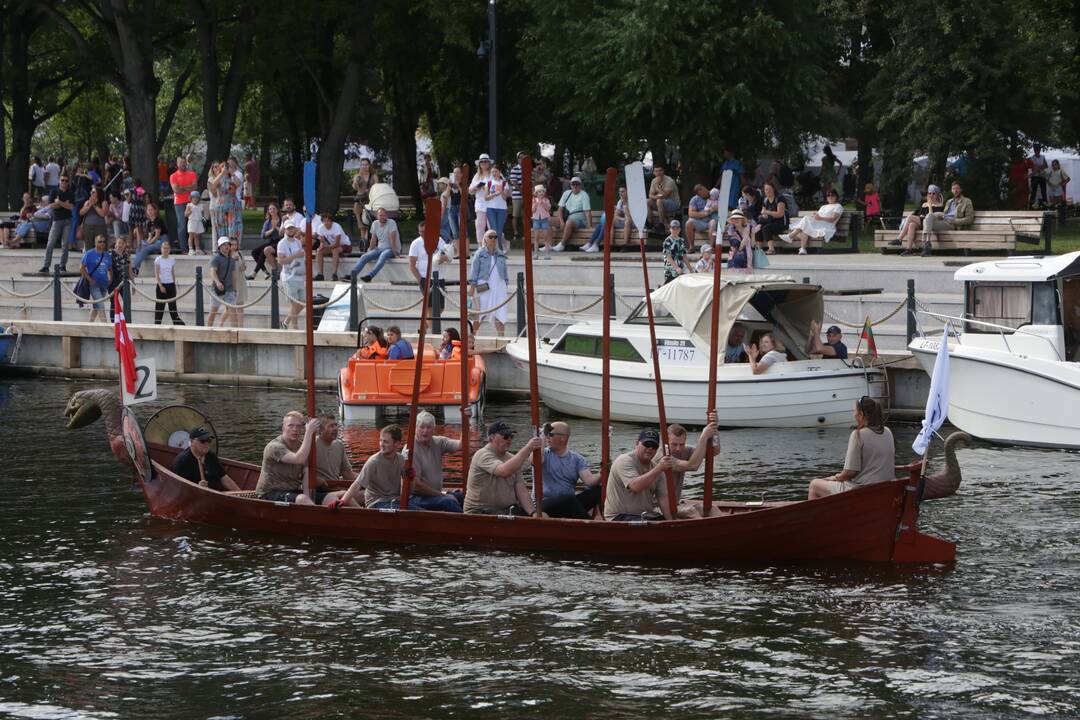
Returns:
(367,387)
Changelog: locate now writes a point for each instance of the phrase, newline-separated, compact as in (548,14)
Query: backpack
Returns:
(791,208)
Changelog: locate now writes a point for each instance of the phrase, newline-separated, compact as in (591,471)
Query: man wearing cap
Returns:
(832,347)
(516,214)
(383,244)
(291,256)
(575,211)
(199,464)
(496,486)
(675,249)
(663,195)
(636,487)
(222,281)
(183,181)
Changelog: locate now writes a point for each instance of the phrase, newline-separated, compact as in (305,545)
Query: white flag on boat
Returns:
(937,404)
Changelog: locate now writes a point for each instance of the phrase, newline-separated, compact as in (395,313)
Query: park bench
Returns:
(846,238)
(992,230)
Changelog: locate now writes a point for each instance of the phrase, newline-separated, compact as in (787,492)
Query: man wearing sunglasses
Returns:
(636,488)
(496,486)
(63,202)
(199,464)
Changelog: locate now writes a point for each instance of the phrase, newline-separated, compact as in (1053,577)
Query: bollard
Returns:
(275,301)
(806,281)
(199,319)
(611,293)
(436,302)
(520,303)
(910,309)
(57,306)
(354,304)
(125,298)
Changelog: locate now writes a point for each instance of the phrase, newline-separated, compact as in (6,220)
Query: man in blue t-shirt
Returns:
(96,269)
(832,347)
(562,470)
(399,349)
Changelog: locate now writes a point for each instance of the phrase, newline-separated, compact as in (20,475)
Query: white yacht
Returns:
(803,392)
(1014,363)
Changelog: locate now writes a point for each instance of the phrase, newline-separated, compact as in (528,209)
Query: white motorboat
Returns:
(803,392)
(1014,363)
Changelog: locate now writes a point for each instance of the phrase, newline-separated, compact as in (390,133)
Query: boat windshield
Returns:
(1011,304)
(591,346)
(661,315)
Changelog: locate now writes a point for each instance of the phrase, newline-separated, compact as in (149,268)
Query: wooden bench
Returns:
(992,230)
(846,238)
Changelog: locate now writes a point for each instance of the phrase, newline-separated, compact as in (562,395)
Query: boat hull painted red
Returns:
(859,525)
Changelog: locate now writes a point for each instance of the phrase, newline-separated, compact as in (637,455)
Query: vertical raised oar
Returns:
(605,373)
(639,212)
(530,330)
(309,323)
(463,301)
(432,209)
(714,342)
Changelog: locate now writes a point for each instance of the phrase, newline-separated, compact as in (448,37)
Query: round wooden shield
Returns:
(136,445)
(170,426)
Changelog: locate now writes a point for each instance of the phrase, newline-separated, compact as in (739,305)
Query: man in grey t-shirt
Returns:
(383,244)
(427,457)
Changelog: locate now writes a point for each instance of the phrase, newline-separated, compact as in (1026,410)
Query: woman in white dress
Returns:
(487,282)
(821,224)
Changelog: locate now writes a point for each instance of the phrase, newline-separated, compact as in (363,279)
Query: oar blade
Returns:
(432,213)
(636,195)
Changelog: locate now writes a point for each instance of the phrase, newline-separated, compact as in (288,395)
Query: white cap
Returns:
(483,157)
(223,240)
(289,224)
(575,180)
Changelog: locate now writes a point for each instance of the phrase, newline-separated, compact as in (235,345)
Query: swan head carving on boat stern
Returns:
(947,482)
(86,406)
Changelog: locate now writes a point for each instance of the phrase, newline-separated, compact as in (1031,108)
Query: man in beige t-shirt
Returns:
(495,483)
(284,464)
(663,196)
(331,460)
(379,481)
(636,488)
(688,458)
(427,462)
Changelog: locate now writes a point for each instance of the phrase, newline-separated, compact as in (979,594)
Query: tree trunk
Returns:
(403,124)
(264,159)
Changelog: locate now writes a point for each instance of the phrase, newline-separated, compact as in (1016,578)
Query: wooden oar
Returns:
(605,373)
(639,211)
(432,208)
(463,301)
(714,341)
(309,324)
(530,331)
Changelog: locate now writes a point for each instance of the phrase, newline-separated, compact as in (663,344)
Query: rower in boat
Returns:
(331,458)
(636,487)
(562,469)
(375,345)
(688,459)
(427,458)
(199,464)
(870,458)
(379,482)
(284,463)
(496,486)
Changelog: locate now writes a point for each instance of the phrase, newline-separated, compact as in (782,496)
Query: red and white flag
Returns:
(124,347)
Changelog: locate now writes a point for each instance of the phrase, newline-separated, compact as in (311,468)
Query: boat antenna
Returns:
(432,209)
(530,320)
(464,331)
(610,182)
(639,212)
(309,322)
(714,341)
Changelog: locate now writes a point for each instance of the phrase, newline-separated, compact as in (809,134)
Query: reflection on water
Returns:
(105,612)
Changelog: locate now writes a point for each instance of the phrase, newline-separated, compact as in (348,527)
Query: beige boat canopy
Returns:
(788,305)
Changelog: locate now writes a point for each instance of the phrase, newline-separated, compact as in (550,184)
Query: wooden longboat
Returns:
(876,523)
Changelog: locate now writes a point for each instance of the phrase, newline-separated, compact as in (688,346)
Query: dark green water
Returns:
(105,612)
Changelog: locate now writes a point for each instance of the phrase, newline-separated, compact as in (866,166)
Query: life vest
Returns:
(455,349)
(374,351)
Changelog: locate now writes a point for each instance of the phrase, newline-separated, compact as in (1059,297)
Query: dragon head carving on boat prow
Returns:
(946,483)
(86,406)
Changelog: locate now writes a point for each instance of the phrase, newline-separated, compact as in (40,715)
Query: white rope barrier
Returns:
(569,311)
(316,305)
(217,298)
(84,301)
(174,298)
(25,296)
(838,321)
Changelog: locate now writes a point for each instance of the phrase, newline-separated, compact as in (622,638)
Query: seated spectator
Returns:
(736,352)
(821,224)
(707,262)
(450,347)
(199,464)
(636,487)
(562,470)
(871,454)
(379,480)
(959,214)
(383,245)
(575,211)
(699,214)
(750,202)
(772,221)
(400,348)
(741,252)
(663,196)
(622,216)
(418,256)
(912,225)
(284,461)
(771,352)
(332,241)
(495,485)
(428,449)
(675,249)
(375,345)
(832,347)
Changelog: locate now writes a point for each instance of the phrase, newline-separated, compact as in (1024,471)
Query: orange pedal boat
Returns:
(367,387)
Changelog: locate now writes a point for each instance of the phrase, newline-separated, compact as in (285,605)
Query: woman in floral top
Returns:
(675,249)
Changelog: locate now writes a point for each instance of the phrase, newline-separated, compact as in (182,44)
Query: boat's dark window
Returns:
(587,345)
(621,349)
(1044,304)
(1000,303)
(661,316)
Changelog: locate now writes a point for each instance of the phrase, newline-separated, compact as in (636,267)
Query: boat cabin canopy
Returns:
(788,306)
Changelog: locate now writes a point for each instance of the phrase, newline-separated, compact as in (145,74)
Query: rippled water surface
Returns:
(105,612)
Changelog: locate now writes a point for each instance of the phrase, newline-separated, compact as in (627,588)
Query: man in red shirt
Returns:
(183,181)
